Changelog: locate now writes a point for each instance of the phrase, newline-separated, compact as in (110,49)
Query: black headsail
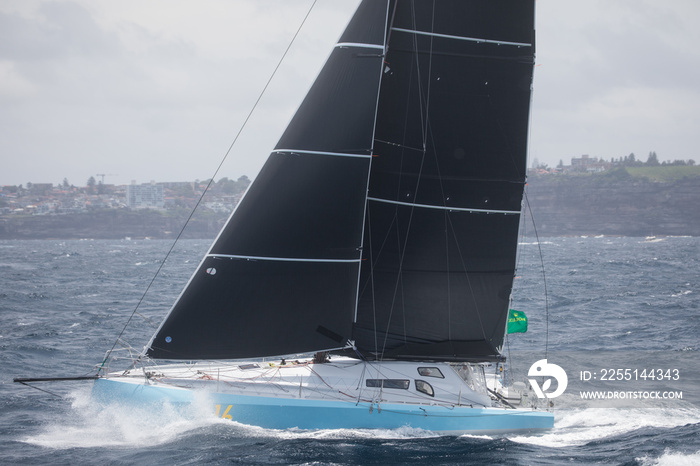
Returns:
(282,276)
(405,171)
(447,180)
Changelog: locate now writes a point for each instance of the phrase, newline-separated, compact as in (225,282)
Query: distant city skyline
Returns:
(534,163)
(158,90)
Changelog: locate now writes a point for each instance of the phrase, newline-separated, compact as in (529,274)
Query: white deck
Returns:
(341,379)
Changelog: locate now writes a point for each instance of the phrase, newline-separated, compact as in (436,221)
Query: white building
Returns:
(145,196)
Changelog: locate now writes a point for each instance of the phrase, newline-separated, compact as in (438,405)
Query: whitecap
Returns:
(581,426)
(90,425)
(670,458)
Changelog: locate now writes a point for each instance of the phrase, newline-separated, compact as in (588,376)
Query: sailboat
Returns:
(364,279)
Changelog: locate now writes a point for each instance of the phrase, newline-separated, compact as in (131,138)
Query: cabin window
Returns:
(244,367)
(430,372)
(424,387)
(388,383)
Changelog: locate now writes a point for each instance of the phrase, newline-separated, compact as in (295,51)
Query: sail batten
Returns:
(282,259)
(333,154)
(445,207)
(358,45)
(469,39)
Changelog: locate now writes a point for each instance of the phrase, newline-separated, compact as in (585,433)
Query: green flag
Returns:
(517,322)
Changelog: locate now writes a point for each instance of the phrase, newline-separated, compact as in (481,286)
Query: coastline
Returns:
(610,204)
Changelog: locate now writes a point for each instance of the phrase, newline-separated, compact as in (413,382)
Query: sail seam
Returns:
(280,259)
(315,152)
(439,207)
(360,45)
(469,39)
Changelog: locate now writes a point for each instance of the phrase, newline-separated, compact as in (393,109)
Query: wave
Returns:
(580,426)
(670,458)
(90,425)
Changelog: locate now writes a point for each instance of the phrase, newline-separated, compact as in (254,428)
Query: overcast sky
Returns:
(158,89)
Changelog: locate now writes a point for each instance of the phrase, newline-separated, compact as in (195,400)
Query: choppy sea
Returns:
(629,304)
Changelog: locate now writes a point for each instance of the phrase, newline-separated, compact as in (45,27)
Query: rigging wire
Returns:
(428,134)
(544,277)
(424,126)
(523,231)
(211,181)
(367,215)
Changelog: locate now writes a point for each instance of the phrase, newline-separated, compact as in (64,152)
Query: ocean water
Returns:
(613,303)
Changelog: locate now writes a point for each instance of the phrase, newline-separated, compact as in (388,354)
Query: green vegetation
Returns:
(655,174)
(664,173)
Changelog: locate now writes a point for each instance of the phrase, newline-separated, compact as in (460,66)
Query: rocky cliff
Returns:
(614,203)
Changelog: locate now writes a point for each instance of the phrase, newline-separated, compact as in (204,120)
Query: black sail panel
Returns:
(282,276)
(429,286)
(249,308)
(447,179)
(313,212)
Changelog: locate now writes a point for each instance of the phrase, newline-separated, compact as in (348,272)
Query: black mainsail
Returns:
(388,212)
(447,181)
